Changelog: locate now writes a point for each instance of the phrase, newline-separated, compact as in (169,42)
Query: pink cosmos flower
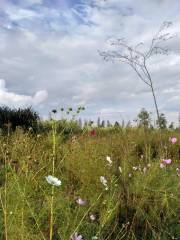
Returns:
(167,161)
(76,237)
(173,140)
(81,202)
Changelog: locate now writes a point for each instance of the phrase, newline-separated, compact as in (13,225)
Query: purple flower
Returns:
(76,237)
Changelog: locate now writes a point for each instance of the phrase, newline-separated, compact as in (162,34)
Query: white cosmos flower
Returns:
(53,180)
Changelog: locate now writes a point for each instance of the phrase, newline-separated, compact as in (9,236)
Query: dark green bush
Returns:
(11,118)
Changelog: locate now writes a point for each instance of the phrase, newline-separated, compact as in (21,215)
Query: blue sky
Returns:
(49,56)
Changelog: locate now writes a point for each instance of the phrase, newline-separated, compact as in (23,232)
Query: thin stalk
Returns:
(52,189)
(156,106)
(22,213)
(5,200)
(153,93)
(22,193)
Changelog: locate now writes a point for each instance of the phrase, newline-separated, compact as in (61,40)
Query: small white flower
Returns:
(177,169)
(92,217)
(148,165)
(162,165)
(104,182)
(53,181)
(81,202)
(108,159)
(130,175)
(135,168)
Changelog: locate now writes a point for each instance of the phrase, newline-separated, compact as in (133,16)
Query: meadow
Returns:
(110,183)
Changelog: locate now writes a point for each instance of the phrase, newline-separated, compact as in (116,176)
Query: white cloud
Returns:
(20,100)
(39,97)
(16,14)
(33,1)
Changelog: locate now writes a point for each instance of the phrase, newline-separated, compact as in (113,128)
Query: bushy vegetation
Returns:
(10,119)
(64,128)
(114,184)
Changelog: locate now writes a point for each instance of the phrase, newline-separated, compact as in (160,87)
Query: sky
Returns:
(49,56)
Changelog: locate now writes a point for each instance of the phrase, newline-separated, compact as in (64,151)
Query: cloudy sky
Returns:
(49,56)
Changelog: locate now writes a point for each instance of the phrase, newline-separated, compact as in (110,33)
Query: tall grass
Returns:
(142,200)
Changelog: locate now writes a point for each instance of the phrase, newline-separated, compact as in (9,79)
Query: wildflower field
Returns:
(106,184)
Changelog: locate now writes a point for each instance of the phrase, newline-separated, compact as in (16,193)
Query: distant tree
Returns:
(85,123)
(171,125)
(116,124)
(137,56)
(162,121)
(108,123)
(103,124)
(128,124)
(144,118)
(80,123)
(123,123)
(99,122)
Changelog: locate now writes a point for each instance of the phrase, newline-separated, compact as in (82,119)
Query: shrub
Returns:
(12,118)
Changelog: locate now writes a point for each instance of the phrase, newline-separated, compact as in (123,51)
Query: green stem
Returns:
(52,192)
